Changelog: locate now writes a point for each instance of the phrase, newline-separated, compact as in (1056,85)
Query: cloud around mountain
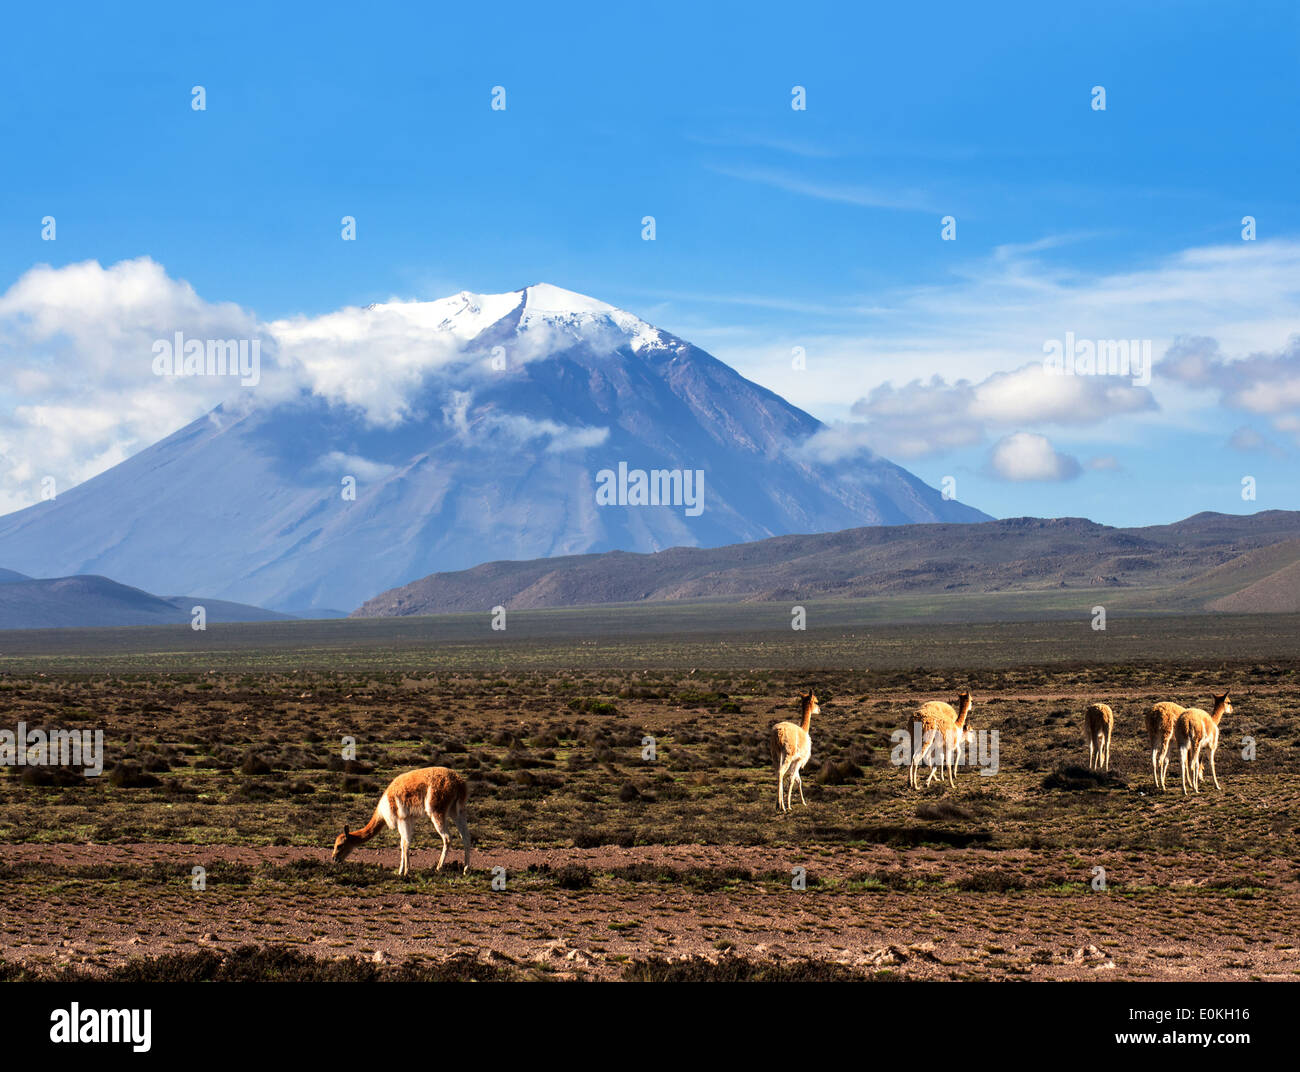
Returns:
(77,343)
(385,443)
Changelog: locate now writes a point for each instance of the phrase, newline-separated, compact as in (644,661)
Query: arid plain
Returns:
(225,751)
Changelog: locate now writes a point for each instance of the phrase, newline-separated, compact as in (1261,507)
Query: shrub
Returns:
(128,775)
(254,764)
(573,877)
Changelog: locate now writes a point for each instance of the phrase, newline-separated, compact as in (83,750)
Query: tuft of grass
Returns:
(734,969)
(127,775)
(267,963)
(1071,776)
(573,877)
(838,772)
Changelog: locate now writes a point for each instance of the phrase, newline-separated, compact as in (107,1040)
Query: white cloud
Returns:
(355,465)
(1265,384)
(79,394)
(1024,456)
(834,443)
(921,419)
(486,422)
(370,359)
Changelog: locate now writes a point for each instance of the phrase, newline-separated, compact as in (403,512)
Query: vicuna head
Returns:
(343,846)
(1222,706)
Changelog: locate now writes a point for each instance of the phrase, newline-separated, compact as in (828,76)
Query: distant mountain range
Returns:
(524,409)
(90,601)
(1209,561)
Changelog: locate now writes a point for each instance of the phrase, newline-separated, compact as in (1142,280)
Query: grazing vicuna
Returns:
(1197,730)
(436,791)
(1099,721)
(1160,721)
(937,726)
(790,746)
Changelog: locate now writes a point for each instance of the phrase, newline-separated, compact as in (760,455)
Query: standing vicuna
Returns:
(936,725)
(1099,721)
(1160,731)
(791,747)
(1196,730)
(436,791)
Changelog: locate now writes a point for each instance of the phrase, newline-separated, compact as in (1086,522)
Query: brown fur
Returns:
(1099,721)
(790,746)
(1196,730)
(940,725)
(1160,720)
(438,792)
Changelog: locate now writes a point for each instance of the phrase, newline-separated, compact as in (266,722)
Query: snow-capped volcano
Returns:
(406,438)
(465,316)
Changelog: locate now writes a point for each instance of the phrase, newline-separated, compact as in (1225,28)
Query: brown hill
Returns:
(1014,555)
(1277,592)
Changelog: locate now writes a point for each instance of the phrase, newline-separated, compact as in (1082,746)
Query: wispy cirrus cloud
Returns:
(997,310)
(823,190)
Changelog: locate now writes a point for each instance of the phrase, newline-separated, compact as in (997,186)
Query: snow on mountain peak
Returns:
(466,315)
(554,306)
(544,298)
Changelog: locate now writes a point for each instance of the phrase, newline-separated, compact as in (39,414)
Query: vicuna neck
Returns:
(370,829)
(965,710)
(807,715)
(1219,707)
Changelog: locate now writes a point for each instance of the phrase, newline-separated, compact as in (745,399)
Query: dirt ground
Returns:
(594,932)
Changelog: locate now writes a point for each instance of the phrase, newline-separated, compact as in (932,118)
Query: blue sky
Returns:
(776,228)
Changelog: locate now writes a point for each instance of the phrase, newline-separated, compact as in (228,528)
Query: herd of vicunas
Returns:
(939,730)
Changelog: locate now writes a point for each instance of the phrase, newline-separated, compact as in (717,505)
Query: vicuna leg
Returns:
(929,759)
(780,783)
(404,832)
(1197,767)
(442,833)
(1108,729)
(1213,773)
(1182,762)
(799,779)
